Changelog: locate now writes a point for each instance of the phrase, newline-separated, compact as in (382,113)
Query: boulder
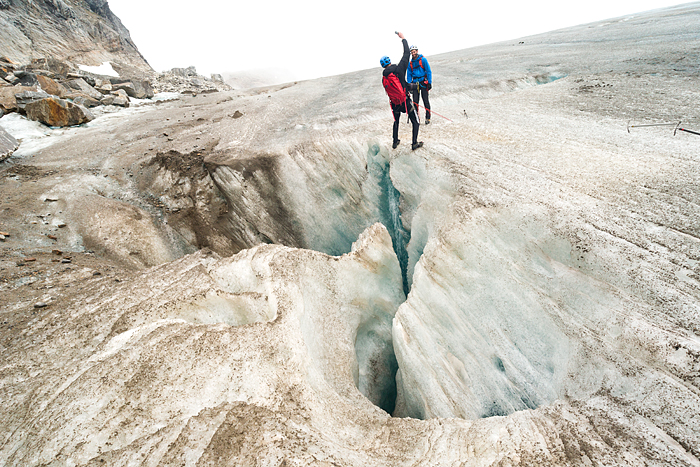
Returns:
(4,83)
(120,98)
(79,84)
(57,112)
(108,99)
(103,85)
(134,88)
(87,78)
(8,101)
(41,72)
(26,78)
(143,89)
(127,86)
(26,97)
(8,144)
(51,86)
(83,99)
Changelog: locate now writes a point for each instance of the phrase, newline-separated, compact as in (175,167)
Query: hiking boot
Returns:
(417,145)
(396,143)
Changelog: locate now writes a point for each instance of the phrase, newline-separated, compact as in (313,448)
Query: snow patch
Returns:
(105,69)
(32,136)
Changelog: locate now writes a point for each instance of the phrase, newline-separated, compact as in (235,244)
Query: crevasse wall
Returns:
(480,335)
(322,197)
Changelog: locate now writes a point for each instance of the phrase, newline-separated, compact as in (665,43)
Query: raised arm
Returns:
(403,64)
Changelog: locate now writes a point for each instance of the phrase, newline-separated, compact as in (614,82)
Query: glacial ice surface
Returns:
(550,258)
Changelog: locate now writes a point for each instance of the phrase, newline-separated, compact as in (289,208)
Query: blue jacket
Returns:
(415,73)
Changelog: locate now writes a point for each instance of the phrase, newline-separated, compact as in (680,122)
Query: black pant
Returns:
(398,110)
(423,92)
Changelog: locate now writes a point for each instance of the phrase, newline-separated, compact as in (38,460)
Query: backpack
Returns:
(394,89)
(420,63)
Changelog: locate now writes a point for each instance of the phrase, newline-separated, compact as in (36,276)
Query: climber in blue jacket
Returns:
(418,72)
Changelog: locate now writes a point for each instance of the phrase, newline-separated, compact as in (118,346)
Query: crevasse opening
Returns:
(321,197)
(389,203)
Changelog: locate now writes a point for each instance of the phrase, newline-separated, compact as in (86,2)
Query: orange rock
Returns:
(57,112)
(52,87)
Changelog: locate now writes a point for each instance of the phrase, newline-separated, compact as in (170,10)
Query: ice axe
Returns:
(686,130)
(675,130)
(653,124)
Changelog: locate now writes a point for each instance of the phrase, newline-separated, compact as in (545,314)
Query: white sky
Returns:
(314,38)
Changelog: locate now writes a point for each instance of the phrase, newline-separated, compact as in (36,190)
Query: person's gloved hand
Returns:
(428,85)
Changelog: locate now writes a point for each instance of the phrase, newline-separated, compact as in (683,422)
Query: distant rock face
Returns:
(187,81)
(82,32)
(48,46)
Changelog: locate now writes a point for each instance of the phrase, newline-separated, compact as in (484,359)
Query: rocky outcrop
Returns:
(43,78)
(81,32)
(48,45)
(72,91)
(187,81)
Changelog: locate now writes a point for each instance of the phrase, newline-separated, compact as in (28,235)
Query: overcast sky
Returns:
(314,38)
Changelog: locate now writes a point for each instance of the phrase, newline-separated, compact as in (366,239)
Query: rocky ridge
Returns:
(81,32)
(46,47)
(55,93)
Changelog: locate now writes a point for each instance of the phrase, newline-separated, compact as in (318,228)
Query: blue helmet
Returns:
(385,61)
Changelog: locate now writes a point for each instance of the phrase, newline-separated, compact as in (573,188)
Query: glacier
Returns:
(277,286)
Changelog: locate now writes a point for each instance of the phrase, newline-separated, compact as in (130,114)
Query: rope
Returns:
(433,112)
